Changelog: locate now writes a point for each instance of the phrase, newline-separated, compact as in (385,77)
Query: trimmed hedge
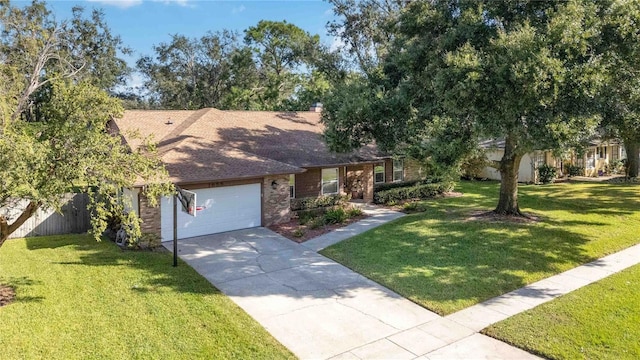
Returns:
(420,191)
(400,184)
(574,170)
(319,202)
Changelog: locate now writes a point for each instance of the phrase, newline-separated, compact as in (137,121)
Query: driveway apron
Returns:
(320,309)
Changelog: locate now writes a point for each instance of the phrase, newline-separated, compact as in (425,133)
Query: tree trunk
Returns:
(633,150)
(7,229)
(509,164)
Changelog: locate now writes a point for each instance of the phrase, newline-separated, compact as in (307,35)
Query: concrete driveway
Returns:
(320,309)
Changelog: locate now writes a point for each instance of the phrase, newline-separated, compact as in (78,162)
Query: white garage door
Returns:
(224,209)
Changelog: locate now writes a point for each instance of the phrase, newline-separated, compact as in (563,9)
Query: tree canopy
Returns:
(277,66)
(55,109)
(523,72)
(620,97)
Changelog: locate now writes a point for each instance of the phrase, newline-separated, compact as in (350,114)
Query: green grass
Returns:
(446,262)
(80,299)
(600,321)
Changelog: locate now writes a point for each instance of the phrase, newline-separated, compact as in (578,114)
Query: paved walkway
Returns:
(320,309)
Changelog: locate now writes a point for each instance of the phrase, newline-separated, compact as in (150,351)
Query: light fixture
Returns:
(274,185)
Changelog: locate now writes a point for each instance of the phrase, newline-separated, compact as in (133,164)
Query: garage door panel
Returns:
(225,209)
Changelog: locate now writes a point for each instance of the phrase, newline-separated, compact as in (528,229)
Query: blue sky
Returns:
(144,23)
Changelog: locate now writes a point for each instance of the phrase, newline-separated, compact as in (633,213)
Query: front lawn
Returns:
(599,321)
(79,299)
(447,259)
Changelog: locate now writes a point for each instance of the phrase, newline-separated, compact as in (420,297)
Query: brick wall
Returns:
(367,182)
(150,216)
(276,204)
(308,184)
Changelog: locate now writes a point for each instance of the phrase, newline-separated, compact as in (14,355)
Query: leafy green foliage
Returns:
(473,165)
(310,203)
(574,170)
(455,73)
(192,73)
(335,216)
(424,191)
(54,113)
(619,98)
(547,173)
(279,67)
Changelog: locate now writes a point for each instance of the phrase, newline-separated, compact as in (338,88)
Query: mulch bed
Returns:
(7,295)
(287,229)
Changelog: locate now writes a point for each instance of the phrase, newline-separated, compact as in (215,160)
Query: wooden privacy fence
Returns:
(73,218)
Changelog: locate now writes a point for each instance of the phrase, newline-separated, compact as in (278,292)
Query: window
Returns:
(602,152)
(329,181)
(378,171)
(398,170)
(292,186)
(615,151)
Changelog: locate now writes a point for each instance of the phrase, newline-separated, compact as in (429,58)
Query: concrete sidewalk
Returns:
(320,309)
(377,216)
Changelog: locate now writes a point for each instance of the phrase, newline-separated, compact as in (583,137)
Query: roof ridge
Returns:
(180,129)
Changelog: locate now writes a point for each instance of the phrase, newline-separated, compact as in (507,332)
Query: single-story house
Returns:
(246,166)
(597,156)
(594,159)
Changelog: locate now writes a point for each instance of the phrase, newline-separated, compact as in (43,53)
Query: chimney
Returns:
(316,107)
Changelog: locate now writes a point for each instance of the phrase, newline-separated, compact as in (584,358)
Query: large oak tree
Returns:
(521,72)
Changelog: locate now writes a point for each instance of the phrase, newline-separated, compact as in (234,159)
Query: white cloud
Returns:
(337,44)
(239,9)
(123,4)
(177,2)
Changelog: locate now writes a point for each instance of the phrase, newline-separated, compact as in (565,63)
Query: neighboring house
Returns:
(245,166)
(596,156)
(527,172)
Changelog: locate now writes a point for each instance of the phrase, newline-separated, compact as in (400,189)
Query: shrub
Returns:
(305,216)
(298,232)
(335,216)
(319,202)
(316,222)
(615,167)
(574,170)
(547,173)
(424,191)
(473,166)
(400,184)
(354,211)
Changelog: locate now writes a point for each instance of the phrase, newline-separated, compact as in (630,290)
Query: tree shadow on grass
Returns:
(18,284)
(446,263)
(156,266)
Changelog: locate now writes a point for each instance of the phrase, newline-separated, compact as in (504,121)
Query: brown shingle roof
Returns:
(211,144)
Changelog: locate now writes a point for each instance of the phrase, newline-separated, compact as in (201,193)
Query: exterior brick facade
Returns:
(276,204)
(309,183)
(150,216)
